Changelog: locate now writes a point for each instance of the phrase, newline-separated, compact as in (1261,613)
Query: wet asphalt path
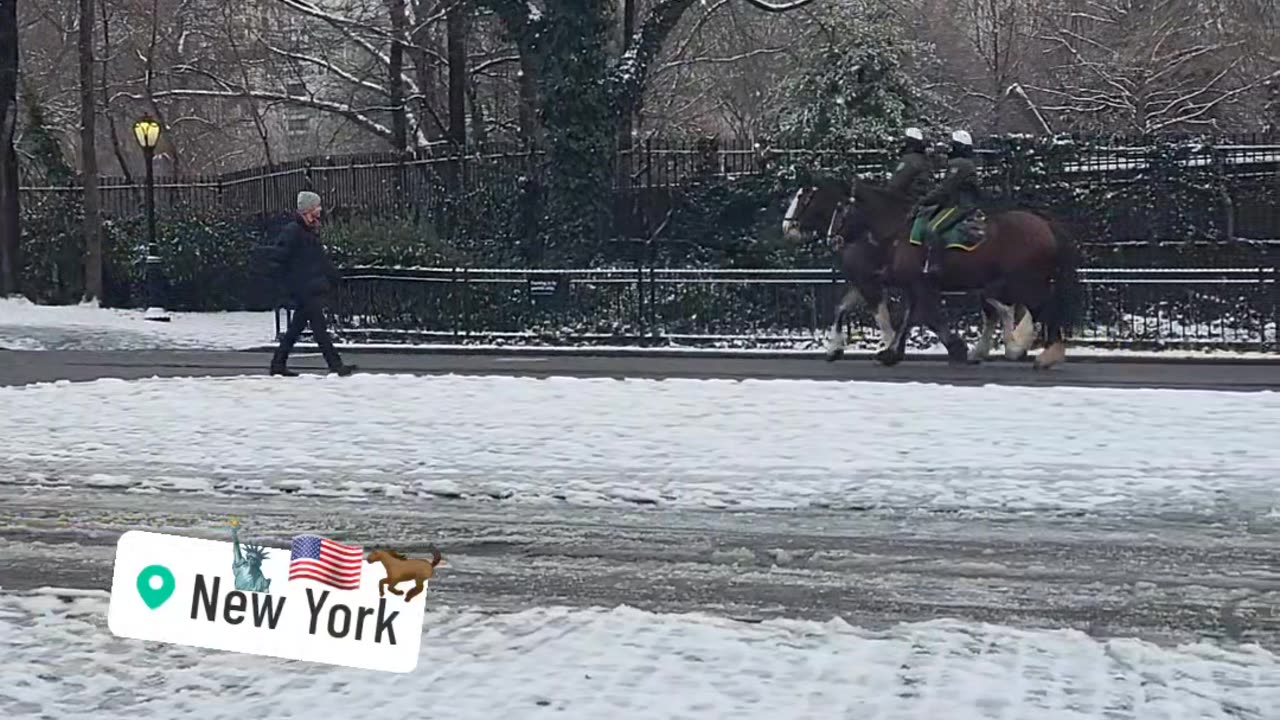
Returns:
(1162,580)
(20,367)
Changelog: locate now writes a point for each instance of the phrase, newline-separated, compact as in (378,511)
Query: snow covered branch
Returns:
(1153,67)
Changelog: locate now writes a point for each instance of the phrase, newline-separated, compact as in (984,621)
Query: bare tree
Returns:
(89,157)
(10,244)
(718,68)
(456,22)
(1143,65)
(1001,33)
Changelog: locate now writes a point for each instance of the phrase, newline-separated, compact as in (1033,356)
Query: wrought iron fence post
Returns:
(457,302)
(639,310)
(653,297)
(1275,310)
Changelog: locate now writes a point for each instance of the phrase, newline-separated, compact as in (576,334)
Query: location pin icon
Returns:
(155,585)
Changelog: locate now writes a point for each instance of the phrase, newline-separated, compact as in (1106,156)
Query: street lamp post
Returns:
(147,132)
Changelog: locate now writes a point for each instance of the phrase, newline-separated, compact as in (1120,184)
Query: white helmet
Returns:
(962,137)
(915,134)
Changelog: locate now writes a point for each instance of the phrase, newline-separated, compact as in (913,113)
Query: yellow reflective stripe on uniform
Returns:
(942,218)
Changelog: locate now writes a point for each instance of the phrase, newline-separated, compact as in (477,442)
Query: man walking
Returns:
(300,263)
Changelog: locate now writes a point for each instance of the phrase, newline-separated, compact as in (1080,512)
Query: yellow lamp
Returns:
(147,132)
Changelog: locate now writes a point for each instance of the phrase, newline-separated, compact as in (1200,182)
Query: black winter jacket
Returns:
(959,188)
(912,177)
(300,263)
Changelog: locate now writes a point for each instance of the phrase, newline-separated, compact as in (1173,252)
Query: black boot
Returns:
(278,364)
(933,264)
(345,370)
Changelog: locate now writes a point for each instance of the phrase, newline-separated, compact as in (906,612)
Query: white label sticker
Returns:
(319,603)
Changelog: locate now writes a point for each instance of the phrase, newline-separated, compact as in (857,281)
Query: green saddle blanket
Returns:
(965,235)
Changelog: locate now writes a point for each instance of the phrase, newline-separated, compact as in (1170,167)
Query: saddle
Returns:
(968,233)
(965,235)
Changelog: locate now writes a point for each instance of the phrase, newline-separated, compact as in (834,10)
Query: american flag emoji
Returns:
(325,561)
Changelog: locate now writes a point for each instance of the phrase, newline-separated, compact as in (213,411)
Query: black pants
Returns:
(310,311)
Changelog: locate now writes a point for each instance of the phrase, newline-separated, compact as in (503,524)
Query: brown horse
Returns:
(1021,261)
(809,216)
(401,569)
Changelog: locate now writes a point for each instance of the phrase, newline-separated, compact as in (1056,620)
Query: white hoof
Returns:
(835,345)
(1051,356)
(1025,332)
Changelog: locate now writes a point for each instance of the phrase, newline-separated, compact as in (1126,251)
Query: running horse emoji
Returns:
(401,569)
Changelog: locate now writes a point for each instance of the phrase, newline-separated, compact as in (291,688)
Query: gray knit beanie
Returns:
(307,201)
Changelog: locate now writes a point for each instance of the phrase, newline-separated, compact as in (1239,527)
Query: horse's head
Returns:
(849,219)
(870,214)
(383,555)
(811,206)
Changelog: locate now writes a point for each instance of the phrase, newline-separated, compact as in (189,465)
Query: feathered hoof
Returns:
(888,357)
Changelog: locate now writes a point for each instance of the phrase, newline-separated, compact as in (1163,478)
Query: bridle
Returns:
(835,238)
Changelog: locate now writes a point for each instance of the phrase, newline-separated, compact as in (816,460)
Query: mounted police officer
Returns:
(950,203)
(914,173)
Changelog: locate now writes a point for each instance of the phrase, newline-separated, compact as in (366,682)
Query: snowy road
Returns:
(990,552)
(1165,581)
(1026,618)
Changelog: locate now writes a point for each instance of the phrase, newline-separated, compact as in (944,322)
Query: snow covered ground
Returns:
(686,443)
(624,663)
(27,326)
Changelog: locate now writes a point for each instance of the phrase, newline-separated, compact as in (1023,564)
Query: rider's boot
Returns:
(933,263)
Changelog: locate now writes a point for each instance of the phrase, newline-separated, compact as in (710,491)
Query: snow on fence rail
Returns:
(1228,308)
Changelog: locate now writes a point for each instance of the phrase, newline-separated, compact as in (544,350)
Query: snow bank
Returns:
(61,661)
(27,326)
(693,443)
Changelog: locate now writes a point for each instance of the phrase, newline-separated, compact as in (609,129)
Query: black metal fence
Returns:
(1152,188)
(1225,308)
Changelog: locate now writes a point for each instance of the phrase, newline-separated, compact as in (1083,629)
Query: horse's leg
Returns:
(989,317)
(929,300)
(893,353)
(884,318)
(836,339)
(382,588)
(1055,346)
(415,592)
(1024,331)
(1012,331)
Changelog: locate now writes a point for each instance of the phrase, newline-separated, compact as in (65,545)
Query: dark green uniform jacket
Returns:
(953,200)
(912,177)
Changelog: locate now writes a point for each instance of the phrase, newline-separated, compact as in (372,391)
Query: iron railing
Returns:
(1158,185)
(1225,308)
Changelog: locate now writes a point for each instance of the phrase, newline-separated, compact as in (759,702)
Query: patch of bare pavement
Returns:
(1159,580)
(25,367)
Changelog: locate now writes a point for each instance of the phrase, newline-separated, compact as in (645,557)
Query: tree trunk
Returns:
(10,256)
(457,53)
(628,33)
(399,116)
(527,115)
(89,158)
(113,131)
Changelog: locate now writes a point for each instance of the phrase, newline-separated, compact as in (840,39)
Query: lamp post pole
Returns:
(147,133)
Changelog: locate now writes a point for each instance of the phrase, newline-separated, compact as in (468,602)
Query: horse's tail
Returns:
(435,556)
(1066,295)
